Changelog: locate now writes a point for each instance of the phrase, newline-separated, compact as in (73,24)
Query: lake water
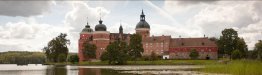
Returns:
(32,69)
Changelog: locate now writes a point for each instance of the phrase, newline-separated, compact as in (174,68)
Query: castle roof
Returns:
(87,28)
(157,39)
(142,23)
(100,26)
(191,42)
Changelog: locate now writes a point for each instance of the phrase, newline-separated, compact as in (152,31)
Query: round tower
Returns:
(85,36)
(142,27)
(100,38)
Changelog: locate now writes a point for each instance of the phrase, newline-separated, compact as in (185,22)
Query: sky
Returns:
(30,25)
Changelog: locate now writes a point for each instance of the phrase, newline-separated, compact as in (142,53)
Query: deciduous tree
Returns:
(89,50)
(230,41)
(56,49)
(258,49)
(116,53)
(135,47)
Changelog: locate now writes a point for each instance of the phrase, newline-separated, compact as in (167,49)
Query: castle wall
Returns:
(183,52)
(84,37)
(101,40)
(156,44)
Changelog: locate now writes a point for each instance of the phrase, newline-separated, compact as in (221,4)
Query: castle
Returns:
(169,48)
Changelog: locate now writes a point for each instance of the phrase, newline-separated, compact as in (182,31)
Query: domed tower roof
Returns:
(87,28)
(142,23)
(100,26)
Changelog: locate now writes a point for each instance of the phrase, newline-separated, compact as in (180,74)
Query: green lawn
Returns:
(158,62)
(236,67)
(172,62)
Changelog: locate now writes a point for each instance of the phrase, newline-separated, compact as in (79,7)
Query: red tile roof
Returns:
(191,42)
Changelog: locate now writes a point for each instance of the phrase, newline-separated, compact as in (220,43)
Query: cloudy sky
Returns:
(29,25)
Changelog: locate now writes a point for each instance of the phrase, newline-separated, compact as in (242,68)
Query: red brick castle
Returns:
(169,48)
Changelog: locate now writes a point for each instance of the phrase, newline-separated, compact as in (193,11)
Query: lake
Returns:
(32,69)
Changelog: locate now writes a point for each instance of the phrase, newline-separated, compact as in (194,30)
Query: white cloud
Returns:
(24,8)
(172,27)
(77,17)
(198,18)
(212,18)
(27,35)
(76,20)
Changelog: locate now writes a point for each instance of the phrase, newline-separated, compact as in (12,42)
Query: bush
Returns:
(236,54)
(153,56)
(193,54)
(73,58)
(104,56)
(62,58)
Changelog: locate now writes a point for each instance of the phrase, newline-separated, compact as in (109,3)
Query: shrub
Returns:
(62,58)
(104,56)
(236,54)
(73,58)
(193,54)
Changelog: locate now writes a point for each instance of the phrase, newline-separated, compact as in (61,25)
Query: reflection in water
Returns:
(57,70)
(11,69)
(85,71)
(74,70)
(96,71)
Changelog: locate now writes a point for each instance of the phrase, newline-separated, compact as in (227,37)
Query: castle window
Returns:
(203,43)
(182,44)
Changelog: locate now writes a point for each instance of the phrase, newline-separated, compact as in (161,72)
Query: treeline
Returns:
(22,57)
(230,45)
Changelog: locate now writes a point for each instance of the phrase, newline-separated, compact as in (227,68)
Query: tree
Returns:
(135,47)
(236,54)
(116,53)
(258,49)
(193,54)
(252,54)
(230,41)
(153,56)
(62,57)
(89,50)
(73,58)
(104,56)
(242,47)
(56,49)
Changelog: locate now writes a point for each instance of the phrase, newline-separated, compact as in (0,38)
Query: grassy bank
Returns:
(237,67)
(158,62)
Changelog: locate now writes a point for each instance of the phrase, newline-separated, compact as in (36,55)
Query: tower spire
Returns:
(87,25)
(142,16)
(142,12)
(120,28)
(100,21)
